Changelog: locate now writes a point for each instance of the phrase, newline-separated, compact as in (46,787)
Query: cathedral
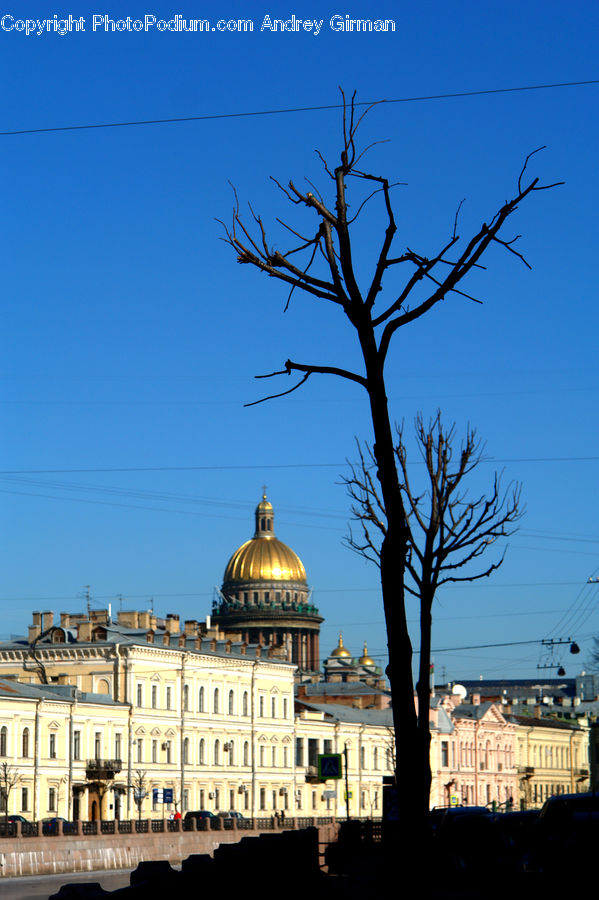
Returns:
(265,598)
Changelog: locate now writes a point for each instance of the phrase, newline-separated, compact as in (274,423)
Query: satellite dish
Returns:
(459,690)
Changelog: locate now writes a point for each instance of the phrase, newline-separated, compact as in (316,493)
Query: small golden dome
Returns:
(264,557)
(365,660)
(340,650)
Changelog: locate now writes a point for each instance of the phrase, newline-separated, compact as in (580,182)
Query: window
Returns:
(186,698)
(154,751)
(52,800)
(154,696)
(261,755)
(215,704)
(98,745)
(231,702)
(217,753)
(140,695)
(186,750)
(262,707)
(244,708)
(202,752)
(444,754)
(217,799)
(273,756)
(312,752)
(76,745)
(185,802)
(25,743)
(24,799)
(231,753)
(3,740)
(167,747)
(262,798)
(285,757)
(140,750)
(52,751)
(299,751)
(201,700)
(273,707)
(327,746)
(118,740)
(231,799)
(169,693)
(202,799)
(246,754)
(362,758)
(375,758)
(284,707)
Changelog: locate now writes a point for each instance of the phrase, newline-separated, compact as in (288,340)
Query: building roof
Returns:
(16,689)
(350,714)
(340,688)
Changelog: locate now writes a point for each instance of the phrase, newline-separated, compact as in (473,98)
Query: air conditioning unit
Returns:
(242,789)
(282,791)
(226,747)
(164,746)
(211,796)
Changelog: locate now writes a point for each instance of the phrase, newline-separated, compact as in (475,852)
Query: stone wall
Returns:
(85,853)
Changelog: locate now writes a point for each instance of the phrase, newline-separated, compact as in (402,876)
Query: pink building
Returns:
(473,753)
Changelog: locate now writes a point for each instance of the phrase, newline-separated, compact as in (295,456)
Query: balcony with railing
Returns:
(102,769)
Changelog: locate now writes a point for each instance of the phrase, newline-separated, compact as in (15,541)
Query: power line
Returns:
(323,465)
(298,109)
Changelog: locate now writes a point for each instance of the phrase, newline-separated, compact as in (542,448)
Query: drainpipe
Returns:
(36,760)
(129,749)
(253,735)
(69,787)
(182,732)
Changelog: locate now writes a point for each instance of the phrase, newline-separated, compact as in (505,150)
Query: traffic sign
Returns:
(329,766)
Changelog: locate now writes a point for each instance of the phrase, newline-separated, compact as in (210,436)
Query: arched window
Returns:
(246,754)
(201,700)
(217,753)
(202,752)
(186,698)
(3,740)
(215,706)
(362,757)
(231,702)
(186,750)
(245,703)
(231,753)
(273,707)
(375,758)
(25,745)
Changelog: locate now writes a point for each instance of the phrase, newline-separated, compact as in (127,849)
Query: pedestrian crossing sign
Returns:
(329,766)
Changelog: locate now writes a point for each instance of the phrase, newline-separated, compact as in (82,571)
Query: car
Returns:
(8,824)
(232,814)
(50,825)
(198,815)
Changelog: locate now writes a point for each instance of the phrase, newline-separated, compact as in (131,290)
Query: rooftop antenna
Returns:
(87,599)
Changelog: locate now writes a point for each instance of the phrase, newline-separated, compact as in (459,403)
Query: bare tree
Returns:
(320,263)
(446,529)
(9,777)
(139,784)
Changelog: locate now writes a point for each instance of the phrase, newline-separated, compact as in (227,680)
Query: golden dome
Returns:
(365,660)
(340,650)
(264,557)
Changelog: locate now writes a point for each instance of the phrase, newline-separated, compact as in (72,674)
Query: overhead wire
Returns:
(298,109)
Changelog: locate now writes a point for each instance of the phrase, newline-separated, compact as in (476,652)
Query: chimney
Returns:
(47,620)
(172,623)
(228,647)
(213,644)
(191,627)
(144,620)
(37,619)
(476,699)
(65,619)
(34,632)
(84,632)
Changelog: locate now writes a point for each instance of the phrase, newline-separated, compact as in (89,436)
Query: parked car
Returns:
(199,814)
(232,814)
(8,824)
(50,825)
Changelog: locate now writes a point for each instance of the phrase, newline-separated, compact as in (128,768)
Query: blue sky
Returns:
(131,336)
